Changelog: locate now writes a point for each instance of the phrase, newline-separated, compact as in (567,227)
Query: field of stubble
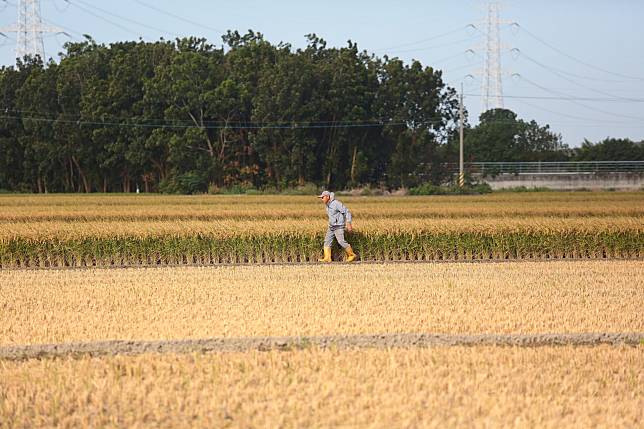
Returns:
(553,339)
(550,387)
(311,386)
(59,306)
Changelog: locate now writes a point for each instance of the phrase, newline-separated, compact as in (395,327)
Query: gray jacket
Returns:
(338,213)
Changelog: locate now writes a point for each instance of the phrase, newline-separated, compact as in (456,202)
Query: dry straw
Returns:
(61,306)
(440,387)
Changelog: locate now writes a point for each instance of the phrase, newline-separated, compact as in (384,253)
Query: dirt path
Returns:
(338,342)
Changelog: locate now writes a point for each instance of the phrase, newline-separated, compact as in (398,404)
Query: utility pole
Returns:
(461,172)
(29,30)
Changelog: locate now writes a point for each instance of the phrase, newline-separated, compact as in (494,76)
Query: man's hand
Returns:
(349,227)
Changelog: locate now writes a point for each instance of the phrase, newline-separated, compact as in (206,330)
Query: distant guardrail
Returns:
(559,167)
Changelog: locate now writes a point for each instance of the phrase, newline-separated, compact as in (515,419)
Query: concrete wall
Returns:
(568,181)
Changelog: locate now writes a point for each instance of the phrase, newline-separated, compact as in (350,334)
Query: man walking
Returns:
(339,216)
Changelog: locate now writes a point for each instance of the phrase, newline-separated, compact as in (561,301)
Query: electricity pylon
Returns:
(30,29)
(492,83)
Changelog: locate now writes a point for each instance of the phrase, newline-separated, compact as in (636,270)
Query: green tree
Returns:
(192,104)
(181,116)
(610,149)
(38,102)
(500,136)
(286,96)
(82,74)
(245,64)
(13,174)
(417,98)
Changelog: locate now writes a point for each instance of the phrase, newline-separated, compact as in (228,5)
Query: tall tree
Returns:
(82,75)
(37,100)
(418,102)
(189,85)
(500,136)
(13,171)
(286,98)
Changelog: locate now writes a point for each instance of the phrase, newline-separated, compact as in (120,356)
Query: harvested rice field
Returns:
(551,387)
(548,344)
(59,306)
(501,310)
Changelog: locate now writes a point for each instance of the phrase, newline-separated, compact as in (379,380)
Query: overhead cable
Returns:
(155,8)
(425,40)
(257,126)
(428,48)
(572,100)
(554,48)
(557,73)
(116,24)
(104,11)
(251,126)
(566,98)
(567,115)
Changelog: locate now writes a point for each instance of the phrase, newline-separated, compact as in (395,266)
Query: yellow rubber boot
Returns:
(350,255)
(327,255)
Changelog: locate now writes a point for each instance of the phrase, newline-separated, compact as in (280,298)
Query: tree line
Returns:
(188,116)
(502,136)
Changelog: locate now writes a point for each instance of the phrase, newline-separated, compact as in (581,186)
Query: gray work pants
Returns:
(338,233)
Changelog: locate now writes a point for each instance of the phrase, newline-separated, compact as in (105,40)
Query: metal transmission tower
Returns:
(492,85)
(29,30)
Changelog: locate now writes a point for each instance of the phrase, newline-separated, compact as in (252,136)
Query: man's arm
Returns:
(347,216)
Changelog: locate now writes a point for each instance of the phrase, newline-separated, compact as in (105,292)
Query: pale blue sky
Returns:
(606,35)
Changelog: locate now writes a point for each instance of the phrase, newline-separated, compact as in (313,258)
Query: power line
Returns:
(142,24)
(109,21)
(60,9)
(222,122)
(149,6)
(581,76)
(67,29)
(453,69)
(534,97)
(104,11)
(554,48)
(572,100)
(428,48)
(268,125)
(425,40)
(446,59)
(247,126)
(557,73)
(568,115)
